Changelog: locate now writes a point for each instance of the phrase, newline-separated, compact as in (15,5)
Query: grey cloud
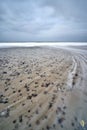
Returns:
(69,8)
(43,20)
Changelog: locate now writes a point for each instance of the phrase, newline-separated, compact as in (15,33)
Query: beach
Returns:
(43,88)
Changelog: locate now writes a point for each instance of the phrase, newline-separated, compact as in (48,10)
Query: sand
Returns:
(43,88)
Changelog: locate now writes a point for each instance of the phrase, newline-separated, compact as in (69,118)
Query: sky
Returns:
(43,20)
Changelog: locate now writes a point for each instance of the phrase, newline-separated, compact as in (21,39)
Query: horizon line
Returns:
(32,44)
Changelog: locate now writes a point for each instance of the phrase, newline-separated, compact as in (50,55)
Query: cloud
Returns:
(43,20)
(75,9)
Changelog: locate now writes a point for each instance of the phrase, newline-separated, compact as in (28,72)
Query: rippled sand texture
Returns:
(43,88)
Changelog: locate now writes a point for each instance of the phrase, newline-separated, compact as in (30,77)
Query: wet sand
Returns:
(43,88)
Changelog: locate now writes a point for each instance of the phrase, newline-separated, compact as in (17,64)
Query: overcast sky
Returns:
(43,20)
